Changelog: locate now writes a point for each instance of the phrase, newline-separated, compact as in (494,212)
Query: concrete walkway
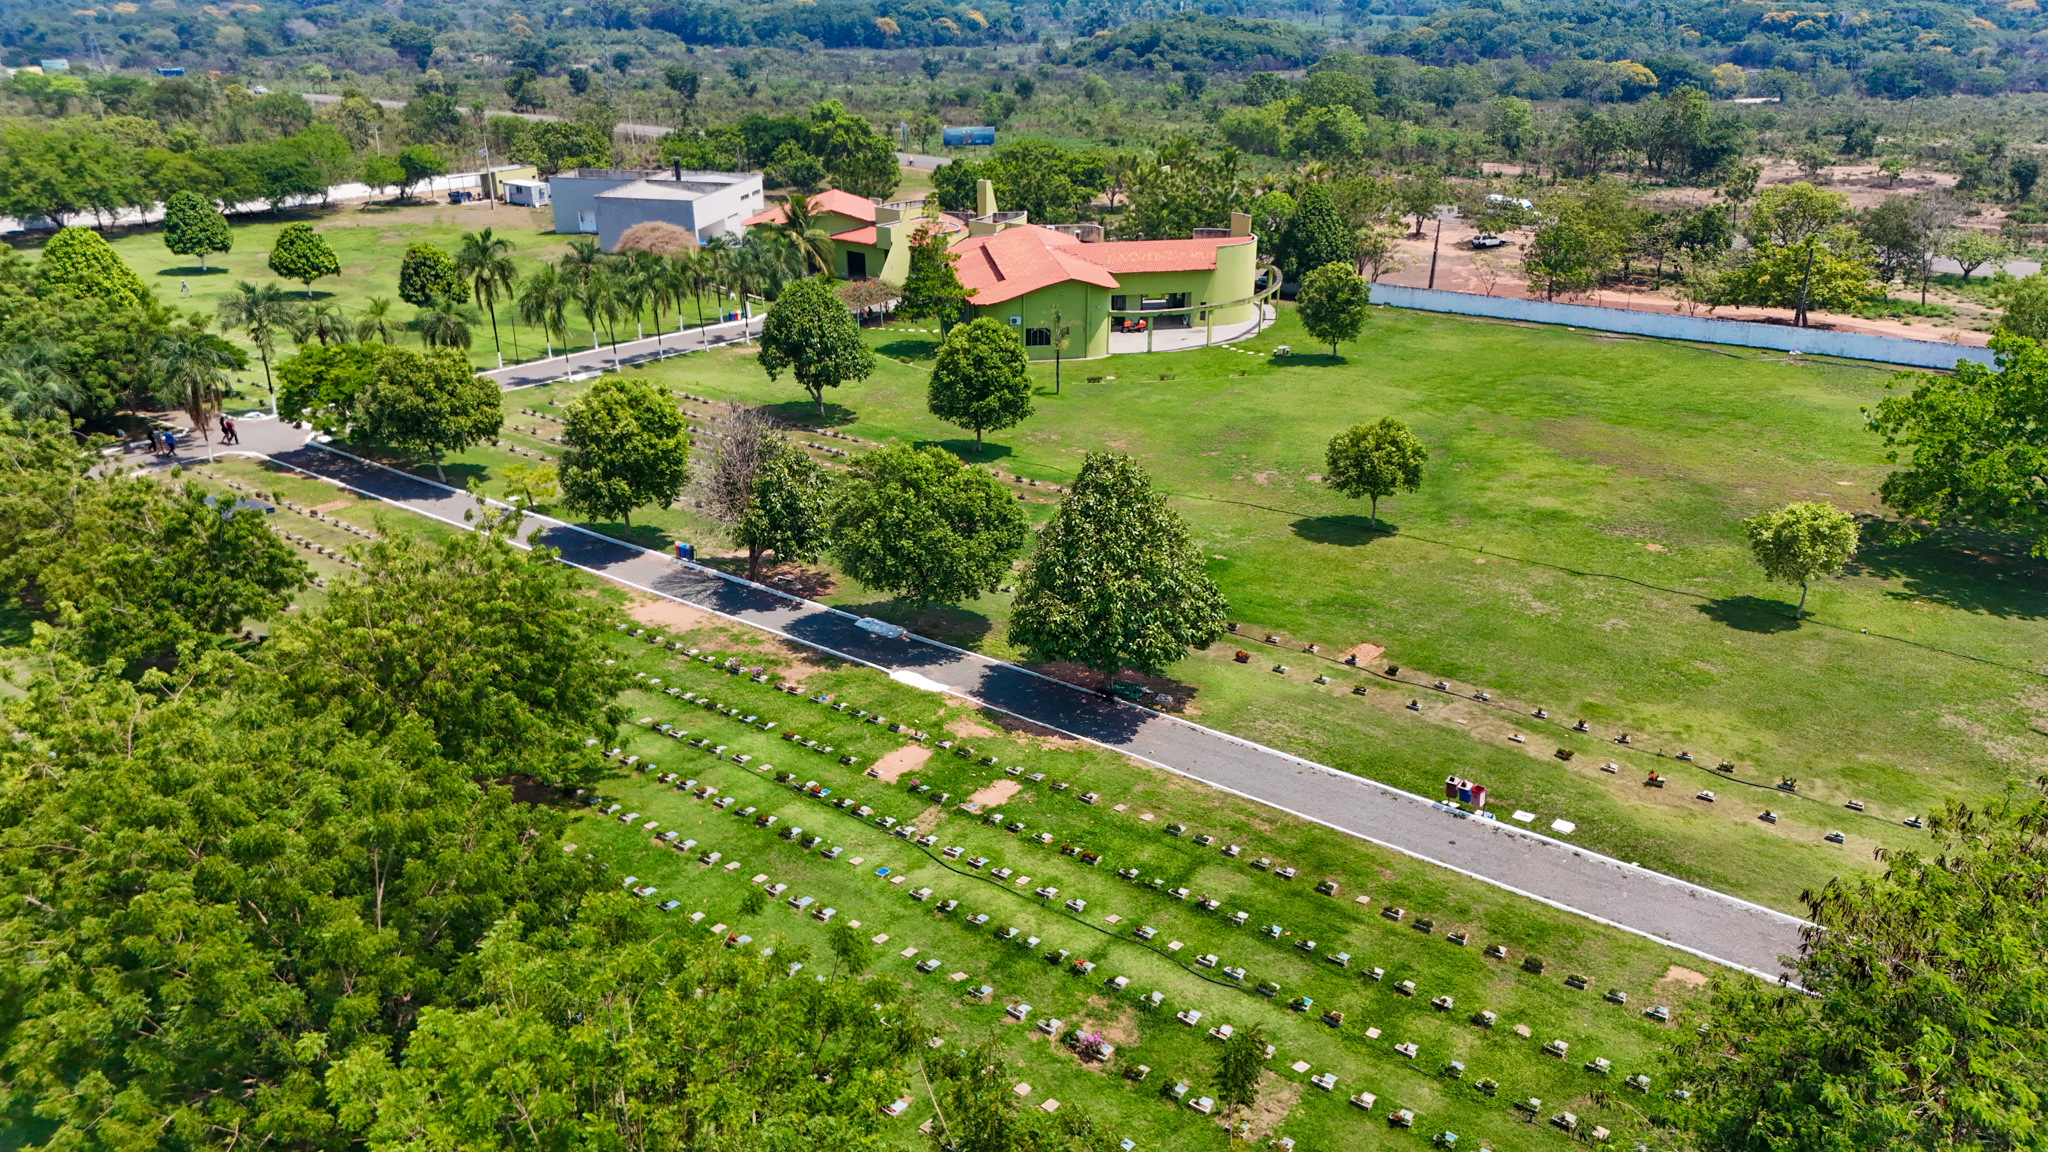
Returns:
(1708,924)
(589,361)
(1182,339)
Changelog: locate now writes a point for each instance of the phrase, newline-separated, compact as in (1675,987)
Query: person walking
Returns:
(170,443)
(228,435)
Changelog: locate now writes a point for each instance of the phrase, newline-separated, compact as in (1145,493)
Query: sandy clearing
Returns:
(964,727)
(902,760)
(1365,653)
(1686,976)
(667,613)
(995,793)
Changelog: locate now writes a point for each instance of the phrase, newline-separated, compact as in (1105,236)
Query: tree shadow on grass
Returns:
(960,627)
(1343,531)
(1969,570)
(1309,360)
(988,452)
(909,349)
(803,413)
(1751,614)
(194,270)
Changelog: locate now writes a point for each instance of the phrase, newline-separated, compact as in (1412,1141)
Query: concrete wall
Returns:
(575,197)
(1670,326)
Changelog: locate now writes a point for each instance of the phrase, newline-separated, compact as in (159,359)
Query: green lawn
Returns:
(1130,825)
(1575,547)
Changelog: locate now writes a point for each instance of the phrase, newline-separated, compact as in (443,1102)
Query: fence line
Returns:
(1743,333)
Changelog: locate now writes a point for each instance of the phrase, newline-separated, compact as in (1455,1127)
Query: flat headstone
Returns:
(1300,1065)
(1564,826)
(1372,1033)
(1522,1030)
(1111,918)
(1021,881)
(717,928)
(760,878)
(957,977)
(855,860)
(734,866)
(882,938)
(853,923)
(1022,1089)
(1524,817)
(1174,946)
(1049,1106)
(895,879)
(1362,900)
(1146,816)
(907,953)
(1120,808)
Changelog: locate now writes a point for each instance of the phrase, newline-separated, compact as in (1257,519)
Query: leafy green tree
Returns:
(850,948)
(981,378)
(192,369)
(431,402)
(1786,214)
(194,227)
(417,163)
(487,651)
(1914,1023)
(1812,275)
(1509,124)
(1331,135)
(2026,308)
(324,384)
(1332,304)
(302,254)
(786,513)
(382,172)
(795,169)
(553,146)
(1975,442)
(810,333)
(1972,250)
(1801,543)
(1374,461)
(80,260)
(1240,1066)
(858,159)
(1116,582)
(1315,235)
(628,445)
(921,525)
(932,290)
(426,273)
(1569,252)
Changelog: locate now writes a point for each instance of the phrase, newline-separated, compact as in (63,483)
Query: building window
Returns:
(1119,303)
(1038,337)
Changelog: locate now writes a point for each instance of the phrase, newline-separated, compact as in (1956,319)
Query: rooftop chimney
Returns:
(984,198)
(679,171)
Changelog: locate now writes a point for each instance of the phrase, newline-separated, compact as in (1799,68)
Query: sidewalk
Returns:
(1708,924)
(588,362)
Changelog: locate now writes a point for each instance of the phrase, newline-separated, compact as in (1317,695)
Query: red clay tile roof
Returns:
(865,235)
(1020,260)
(1129,256)
(830,200)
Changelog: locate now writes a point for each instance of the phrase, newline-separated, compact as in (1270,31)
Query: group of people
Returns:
(165,442)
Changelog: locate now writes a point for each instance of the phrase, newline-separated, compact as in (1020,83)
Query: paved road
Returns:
(1708,924)
(628,352)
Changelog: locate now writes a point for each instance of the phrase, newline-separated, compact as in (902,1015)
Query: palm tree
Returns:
(583,259)
(443,324)
(697,274)
(812,240)
(545,301)
(374,320)
(260,310)
(644,272)
(676,281)
(486,263)
(191,368)
(322,322)
(32,387)
(631,291)
(598,299)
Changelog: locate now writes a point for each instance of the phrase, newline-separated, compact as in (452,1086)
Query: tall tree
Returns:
(786,510)
(194,227)
(485,262)
(932,290)
(432,402)
(261,310)
(1240,1066)
(1315,235)
(426,273)
(1801,543)
(544,302)
(1916,1020)
(192,369)
(1332,304)
(1116,582)
(810,333)
(2026,308)
(981,379)
(628,445)
(80,260)
(1374,461)
(921,525)
(302,254)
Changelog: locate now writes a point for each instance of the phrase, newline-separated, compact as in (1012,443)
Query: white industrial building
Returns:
(607,201)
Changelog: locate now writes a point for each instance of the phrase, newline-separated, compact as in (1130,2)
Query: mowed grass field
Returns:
(1575,548)
(1039,782)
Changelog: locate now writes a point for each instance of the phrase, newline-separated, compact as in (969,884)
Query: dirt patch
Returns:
(976,729)
(1270,1107)
(1122,1031)
(995,793)
(805,582)
(1363,653)
(332,506)
(666,613)
(889,768)
(1684,976)
(929,818)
